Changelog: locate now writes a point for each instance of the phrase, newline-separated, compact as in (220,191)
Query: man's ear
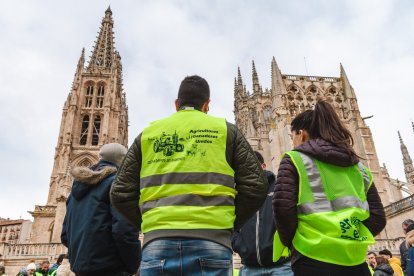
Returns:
(177,104)
(204,107)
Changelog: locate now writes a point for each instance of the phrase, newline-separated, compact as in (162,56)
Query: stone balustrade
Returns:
(399,206)
(311,78)
(392,245)
(26,251)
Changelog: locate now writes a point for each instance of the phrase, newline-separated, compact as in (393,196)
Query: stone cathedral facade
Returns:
(264,116)
(94,113)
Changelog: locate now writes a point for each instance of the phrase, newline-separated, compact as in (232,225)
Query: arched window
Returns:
(84,131)
(89,96)
(96,129)
(100,97)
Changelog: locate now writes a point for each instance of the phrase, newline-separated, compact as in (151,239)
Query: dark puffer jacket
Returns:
(285,198)
(99,240)
(251,187)
(383,270)
(254,241)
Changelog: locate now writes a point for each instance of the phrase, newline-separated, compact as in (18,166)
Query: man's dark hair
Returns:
(408,222)
(194,92)
(410,228)
(385,252)
(60,258)
(260,157)
(371,252)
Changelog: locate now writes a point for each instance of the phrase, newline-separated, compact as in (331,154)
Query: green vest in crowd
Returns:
(331,207)
(185,180)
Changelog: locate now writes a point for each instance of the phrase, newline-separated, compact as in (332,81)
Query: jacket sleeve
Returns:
(125,191)
(64,233)
(285,200)
(126,240)
(251,184)
(376,221)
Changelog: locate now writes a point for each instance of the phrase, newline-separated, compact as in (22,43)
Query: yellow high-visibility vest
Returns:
(185,179)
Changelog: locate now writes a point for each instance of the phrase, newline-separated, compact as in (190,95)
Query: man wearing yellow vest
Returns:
(326,207)
(187,181)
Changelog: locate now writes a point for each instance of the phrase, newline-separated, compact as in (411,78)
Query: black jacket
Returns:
(383,270)
(404,255)
(251,187)
(99,240)
(254,241)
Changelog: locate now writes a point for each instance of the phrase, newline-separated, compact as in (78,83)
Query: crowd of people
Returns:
(192,184)
(383,263)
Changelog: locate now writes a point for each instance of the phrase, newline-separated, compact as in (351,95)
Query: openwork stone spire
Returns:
(103,52)
(408,163)
(255,78)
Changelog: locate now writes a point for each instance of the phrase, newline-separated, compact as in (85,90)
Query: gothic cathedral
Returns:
(95,113)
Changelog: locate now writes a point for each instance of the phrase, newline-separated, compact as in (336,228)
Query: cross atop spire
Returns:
(103,51)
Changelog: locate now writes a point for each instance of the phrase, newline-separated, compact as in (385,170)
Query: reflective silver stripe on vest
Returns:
(187,200)
(334,205)
(321,203)
(187,178)
(314,179)
(367,181)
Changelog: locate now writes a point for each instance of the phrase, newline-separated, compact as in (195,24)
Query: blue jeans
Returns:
(281,270)
(186,257)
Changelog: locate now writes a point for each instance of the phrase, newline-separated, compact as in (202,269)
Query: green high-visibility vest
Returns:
(332,205)
(185,179)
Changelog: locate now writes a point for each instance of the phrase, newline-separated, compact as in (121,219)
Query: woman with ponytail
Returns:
(325,203)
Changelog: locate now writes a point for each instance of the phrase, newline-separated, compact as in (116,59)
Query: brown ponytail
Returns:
(323,122)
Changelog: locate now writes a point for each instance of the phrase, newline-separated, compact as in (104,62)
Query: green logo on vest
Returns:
(168,144)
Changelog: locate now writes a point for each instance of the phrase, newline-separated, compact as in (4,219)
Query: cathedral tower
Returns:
(94,113)
(264,116)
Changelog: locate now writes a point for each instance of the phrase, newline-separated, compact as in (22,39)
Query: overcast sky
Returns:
(161,42)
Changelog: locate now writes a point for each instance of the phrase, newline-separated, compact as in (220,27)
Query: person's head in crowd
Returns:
(407,223)
(2,270)
(31,268)
(113,152)
(380,260)
(385,253)
(194,92)
(371,259)
(261,160)
(44,266)
(321,122)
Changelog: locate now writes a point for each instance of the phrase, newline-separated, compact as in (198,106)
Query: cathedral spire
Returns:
(103,51)
(349,91)
(408,163)
(239,77)
(256,85)
(277,82)
(81,61)
(239,90)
